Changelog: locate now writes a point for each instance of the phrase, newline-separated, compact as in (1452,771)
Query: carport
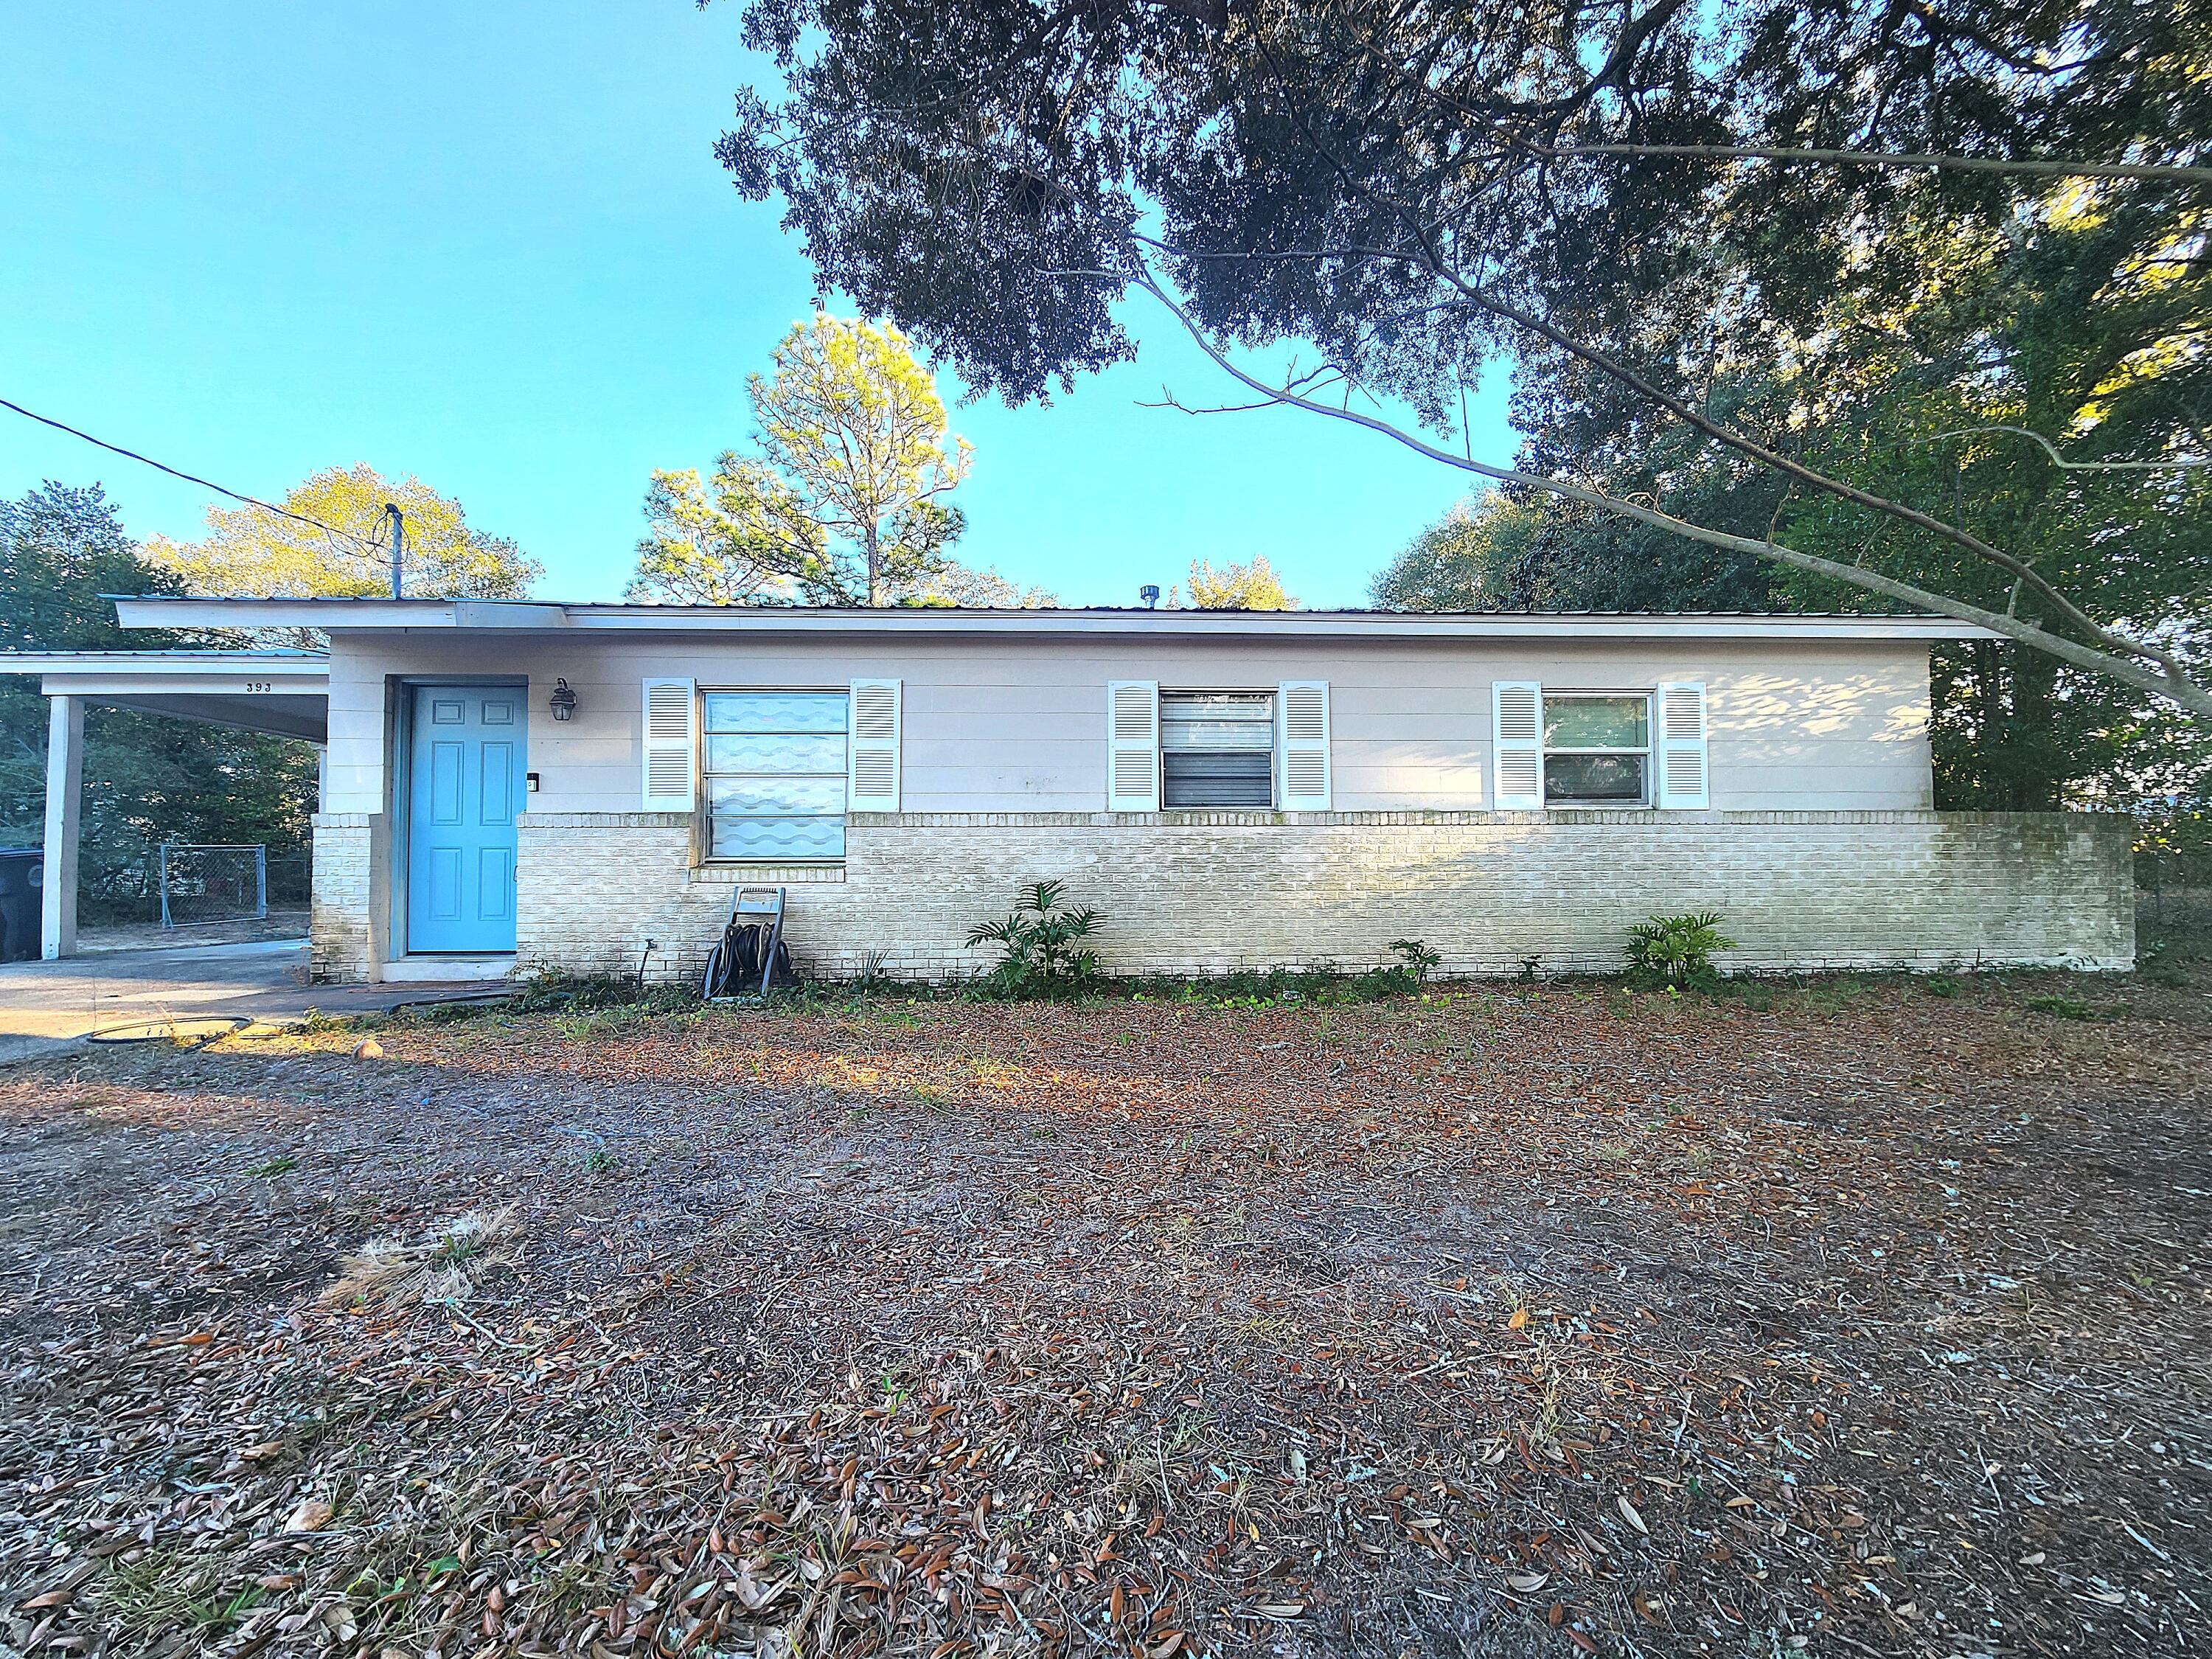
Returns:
(282,693)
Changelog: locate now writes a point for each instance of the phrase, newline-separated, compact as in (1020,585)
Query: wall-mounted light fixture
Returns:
(563,701)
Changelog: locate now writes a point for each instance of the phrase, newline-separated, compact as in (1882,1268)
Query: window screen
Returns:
(1597,750)
(1216,749)
(775,773)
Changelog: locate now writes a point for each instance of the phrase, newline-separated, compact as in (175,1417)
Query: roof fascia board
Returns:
(499,615)
(337,614)
(141,667)
(236,682)
(327,614)
(1195,624)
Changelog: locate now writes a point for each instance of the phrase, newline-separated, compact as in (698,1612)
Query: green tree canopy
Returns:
(1704,235)
(843,505)
(250,552)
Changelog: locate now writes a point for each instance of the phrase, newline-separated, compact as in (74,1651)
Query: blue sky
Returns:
(489,244)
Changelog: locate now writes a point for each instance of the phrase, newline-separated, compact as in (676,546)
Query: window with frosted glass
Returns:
(1597,750)
(1216,749)
(775,773)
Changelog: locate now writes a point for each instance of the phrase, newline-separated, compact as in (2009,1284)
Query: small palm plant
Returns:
(1041,945)
(1676,953)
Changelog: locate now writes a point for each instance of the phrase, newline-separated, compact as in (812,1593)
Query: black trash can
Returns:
(21,869)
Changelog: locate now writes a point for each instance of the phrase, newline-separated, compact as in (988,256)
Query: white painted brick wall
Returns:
(1206,892)
(339,897)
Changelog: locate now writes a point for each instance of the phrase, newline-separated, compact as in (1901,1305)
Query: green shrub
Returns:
(1040,946)
(1676,953)
(2063,1007)
(1416,961)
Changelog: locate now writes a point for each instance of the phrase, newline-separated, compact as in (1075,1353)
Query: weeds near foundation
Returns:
(555,993)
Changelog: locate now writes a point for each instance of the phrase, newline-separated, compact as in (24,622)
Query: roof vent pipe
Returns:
(1150,593)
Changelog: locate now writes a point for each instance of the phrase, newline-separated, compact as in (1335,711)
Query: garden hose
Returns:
(173,1031)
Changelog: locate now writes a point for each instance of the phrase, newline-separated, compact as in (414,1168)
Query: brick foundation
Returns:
(1204,892)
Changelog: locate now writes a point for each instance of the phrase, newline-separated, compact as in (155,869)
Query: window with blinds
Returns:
(1597,748)
(776,774)
(1216,749)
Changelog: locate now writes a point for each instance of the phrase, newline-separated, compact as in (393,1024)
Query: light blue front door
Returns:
(464,776)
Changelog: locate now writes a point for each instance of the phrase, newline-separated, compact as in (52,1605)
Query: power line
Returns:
(204,483)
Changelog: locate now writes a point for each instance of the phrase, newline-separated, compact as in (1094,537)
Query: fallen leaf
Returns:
(1527,1582)
(312,1515)
(1628,1514)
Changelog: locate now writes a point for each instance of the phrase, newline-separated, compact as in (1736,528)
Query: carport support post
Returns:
(64,807)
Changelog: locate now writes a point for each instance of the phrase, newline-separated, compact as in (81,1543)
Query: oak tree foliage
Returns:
(1708,239)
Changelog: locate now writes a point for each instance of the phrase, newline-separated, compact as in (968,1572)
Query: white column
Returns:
(65,802)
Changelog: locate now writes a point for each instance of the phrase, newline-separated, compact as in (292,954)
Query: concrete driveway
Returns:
(45,1005)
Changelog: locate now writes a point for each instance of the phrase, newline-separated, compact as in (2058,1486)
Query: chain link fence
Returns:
(2174,889)
(125,891)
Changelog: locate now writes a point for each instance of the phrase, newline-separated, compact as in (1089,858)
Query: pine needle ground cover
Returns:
(1840,1319)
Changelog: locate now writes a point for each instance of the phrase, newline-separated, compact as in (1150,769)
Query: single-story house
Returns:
(515,784)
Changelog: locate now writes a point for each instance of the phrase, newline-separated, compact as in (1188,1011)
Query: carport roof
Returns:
(284,693)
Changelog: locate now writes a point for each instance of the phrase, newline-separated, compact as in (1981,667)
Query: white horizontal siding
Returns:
(1018,726)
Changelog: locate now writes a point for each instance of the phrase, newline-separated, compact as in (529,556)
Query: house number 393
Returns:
(257,685)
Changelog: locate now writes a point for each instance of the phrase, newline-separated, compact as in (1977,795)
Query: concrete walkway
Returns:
(45,1006)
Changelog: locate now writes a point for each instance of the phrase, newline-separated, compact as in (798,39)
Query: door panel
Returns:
(444,800)
(463,783)
(496,784)
(496,884)
(442,891)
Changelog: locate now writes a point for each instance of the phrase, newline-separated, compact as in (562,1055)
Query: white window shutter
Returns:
(671,745)
(1516,744)
(1681,745)
(1133,746)
(872,783)
(1302,715)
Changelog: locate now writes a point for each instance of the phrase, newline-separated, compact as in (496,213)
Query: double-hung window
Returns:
(776,774)
(1216,749)
(1597,748)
